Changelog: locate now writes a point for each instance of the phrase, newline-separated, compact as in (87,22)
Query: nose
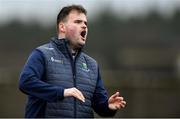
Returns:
(84,26)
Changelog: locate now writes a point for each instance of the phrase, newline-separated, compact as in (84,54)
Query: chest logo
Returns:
(84,67)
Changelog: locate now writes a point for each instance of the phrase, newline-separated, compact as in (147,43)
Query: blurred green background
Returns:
(138,55)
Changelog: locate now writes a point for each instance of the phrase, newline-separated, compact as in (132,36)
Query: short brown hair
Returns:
(64,12)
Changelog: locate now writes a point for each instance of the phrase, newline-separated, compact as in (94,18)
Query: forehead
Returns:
(74,15)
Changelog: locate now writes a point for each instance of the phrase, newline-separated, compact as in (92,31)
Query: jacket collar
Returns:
(62,45)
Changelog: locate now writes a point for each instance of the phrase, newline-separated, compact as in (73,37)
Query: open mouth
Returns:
(83,34)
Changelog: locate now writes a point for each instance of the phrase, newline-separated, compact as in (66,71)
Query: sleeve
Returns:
(31,80)
(100,100)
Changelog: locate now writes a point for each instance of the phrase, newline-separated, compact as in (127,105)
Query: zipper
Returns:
(74,81)
(73,66)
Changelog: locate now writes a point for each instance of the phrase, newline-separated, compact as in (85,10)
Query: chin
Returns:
(81,45)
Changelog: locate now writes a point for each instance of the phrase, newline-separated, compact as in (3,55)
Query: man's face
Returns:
(76,29)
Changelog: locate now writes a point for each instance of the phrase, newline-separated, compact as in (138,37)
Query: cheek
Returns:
(72,30)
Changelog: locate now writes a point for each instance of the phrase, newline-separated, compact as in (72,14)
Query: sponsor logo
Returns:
(56,60)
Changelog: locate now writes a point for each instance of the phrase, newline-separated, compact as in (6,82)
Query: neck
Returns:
(60,37)
(72,49)
(73,52)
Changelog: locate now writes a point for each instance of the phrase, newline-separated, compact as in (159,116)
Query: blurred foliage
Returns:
(138,56)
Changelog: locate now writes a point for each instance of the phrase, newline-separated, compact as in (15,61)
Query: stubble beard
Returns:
(77,45)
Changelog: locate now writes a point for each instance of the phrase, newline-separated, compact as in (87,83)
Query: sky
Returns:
(45,11)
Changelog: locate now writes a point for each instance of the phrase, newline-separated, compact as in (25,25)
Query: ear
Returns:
(61,27)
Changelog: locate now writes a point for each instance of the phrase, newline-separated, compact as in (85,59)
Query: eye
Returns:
(78,21)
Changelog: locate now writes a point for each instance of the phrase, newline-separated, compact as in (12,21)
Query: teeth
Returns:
(83,33)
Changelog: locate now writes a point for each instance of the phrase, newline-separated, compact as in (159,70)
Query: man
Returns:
(61,80)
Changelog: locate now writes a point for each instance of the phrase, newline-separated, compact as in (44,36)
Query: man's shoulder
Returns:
(45,46)
(45,49)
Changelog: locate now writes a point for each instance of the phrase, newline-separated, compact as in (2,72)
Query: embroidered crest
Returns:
(84,67)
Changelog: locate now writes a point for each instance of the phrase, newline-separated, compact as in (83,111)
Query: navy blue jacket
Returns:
(32,82)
